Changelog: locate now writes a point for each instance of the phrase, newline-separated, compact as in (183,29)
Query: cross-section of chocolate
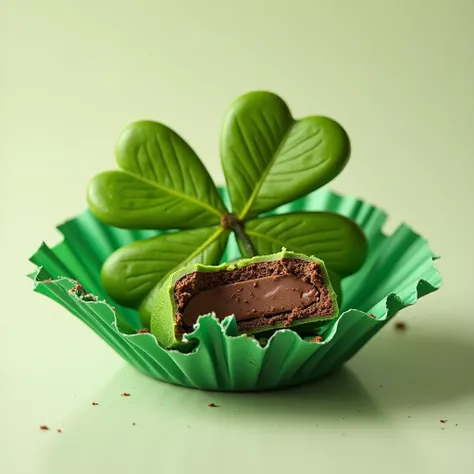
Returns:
(259,294)
(263,294)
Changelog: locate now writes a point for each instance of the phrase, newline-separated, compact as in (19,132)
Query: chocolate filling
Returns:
(259,295)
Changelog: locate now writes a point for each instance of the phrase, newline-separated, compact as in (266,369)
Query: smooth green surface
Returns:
(163,320)
(398,271)
(398,75)
(269,158)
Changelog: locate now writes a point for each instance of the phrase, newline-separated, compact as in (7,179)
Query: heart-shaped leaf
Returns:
(270,159)
(133,271)
(162,183)
(333,238)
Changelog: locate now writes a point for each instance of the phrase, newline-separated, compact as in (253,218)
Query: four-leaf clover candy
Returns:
(269,158)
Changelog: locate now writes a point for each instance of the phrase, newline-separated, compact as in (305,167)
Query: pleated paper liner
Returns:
(399,270)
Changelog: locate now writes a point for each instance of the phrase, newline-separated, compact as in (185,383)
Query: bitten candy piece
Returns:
(263,293)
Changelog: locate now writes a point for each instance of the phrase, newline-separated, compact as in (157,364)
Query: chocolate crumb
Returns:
(125,394)
(94,404)
(59,430)
(143,331)
(212,405)
(44,427)
(317,339)
(77,289)
(372,316)
(400,326)
(443,421)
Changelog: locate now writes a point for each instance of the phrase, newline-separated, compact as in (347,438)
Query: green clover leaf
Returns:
(269,159)
(332,237)
(162,184)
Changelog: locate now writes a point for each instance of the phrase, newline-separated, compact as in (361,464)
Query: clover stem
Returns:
(245,241)
(230,222)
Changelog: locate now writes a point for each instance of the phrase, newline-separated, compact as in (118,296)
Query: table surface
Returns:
(402,86)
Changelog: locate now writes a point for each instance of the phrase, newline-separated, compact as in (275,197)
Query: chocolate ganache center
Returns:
(258,295)
(250,299)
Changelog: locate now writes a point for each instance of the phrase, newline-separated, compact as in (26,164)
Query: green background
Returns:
(398,76)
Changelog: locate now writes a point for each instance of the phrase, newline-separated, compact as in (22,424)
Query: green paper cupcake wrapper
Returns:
(399,270)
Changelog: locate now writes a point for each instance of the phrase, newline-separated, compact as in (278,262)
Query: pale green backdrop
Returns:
(399,75)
